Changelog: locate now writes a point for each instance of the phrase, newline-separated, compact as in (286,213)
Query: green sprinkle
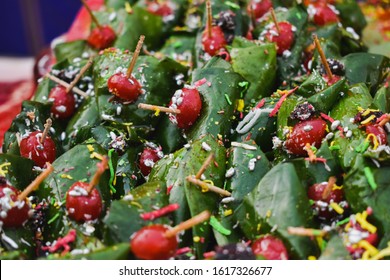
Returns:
(335,147)
(218,226)
(311,201)
(177,44)
(323,244)
(53,219)
(362,147)
(112,171)
(370,178)
(342,222)
(232,5)
(228,99)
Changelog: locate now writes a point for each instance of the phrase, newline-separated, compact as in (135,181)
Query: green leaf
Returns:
(17,170)
(245,180)
(382,99)
(70,50)
(257,64)
(313,84)
(335,250)
(169,135)
(218,94)
(351,15)
(361,195)
(326,99)
(279,201)
(366,68)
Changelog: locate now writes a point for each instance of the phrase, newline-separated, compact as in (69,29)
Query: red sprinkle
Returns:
(183,250)
(200,82)
(209,255)
(160,212)
(317,159)
(169,188)
(260,104)
(330,119)
(216,164)
(280,102)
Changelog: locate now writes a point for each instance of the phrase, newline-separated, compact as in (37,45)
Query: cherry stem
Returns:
(209,18)
(197,219)
(47,126)
(158,108)
(300,231)
(207,187)
(204,166)
(37,181)
(79,75)
(66,85)
(101,167)
(329,187)
(135,56)
(275,20)
(323,57)
(94,19)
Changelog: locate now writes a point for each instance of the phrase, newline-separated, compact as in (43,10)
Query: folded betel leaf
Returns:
(335,250)
(219,88)
(279,201)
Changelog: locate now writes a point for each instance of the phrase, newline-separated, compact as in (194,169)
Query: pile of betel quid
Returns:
(203,130)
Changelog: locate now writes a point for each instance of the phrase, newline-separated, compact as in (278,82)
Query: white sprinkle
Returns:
(335,124)
(230,172)
(349,134)
(8,240)
(227,199)
(307,127)
(77,191)
(244,146)
(252,164)
(128,197)
(206,147)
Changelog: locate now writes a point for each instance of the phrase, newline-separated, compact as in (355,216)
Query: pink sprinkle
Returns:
(200,82)
(261,103)
(317,159)
(280,102)
(209,255)
(209,84)
(183,250)
(160,212)
(369,210)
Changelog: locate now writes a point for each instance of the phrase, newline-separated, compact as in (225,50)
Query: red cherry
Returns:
(284,40)
(188,101)
(149,243)
(148,158)
(31,147)
(324,14)
(101,37)
(63,103)
(43,63)
(160,8)
(309,131)
(81,205)
(214,43)
(270,247)
(125,88)
(379,132)
(259,7)
(322,205)
(13,213)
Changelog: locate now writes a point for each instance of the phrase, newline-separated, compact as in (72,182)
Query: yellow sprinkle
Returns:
(5,170)
(66,176)
(369,119)
(136,204)
(374,138)
(366,245)
(337,208)
(216,123)
(114,181)
(196,239)
(258,227)
(335,187)
(382,253)
(128,8)
(157,112)
(96,155)
(364,224)
(90,148)
(311,258)
(364,215)
(240,105)
(268,214)
(228,212)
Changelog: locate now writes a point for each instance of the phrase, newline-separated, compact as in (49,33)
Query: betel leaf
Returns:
(257,64)
(218,93)
(382,99)
(180,47)
(169,136)
(191,198)
(17,170)
(124,218)
(344,111)
(351,15)
(279,201)
(257,125)
(158,79)
(19,239)
(129,27)
(313,84)
(283,117)
(32,118)
(360,194)
(327,98)
(244,179)
(128,174)
(70,50)
(367,68)
(335,250)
